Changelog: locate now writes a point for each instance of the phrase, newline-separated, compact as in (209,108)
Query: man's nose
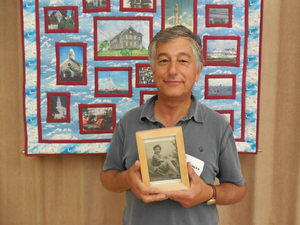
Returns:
(173,69)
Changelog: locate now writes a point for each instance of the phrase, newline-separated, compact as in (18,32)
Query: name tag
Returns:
(197,164)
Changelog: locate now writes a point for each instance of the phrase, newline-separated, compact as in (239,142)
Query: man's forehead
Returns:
(178,46)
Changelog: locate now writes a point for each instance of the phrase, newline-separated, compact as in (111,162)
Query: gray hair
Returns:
(167,35)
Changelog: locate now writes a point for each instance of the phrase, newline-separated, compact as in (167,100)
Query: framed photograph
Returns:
(221,50)
(162,158)
(218,15)
(97,118)
(146,95)
(90,6)
(229,116)
(71,63)
(144,75)
(113,82)
(138,5)
(179,12)
(63,19)
(58,107)
(220,86)
(128,40)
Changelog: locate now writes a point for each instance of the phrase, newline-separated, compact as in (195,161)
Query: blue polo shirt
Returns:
(207,137)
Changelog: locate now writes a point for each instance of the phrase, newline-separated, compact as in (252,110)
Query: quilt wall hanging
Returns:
(86,64)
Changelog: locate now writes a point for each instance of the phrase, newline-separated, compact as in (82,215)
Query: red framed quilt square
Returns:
(128,40)
(113,82)
(58,107)
(218,15)
(221,50)
(96,6)
(144,75)
(61,19)
(229,116)
(138,5)
(97,118)
(146,95)
(179,12)
(71,64)
(220,86)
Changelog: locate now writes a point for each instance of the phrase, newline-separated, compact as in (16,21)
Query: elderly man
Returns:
(176,61)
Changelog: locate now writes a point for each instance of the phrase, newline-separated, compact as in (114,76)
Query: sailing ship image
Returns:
(222,55)
(112,85)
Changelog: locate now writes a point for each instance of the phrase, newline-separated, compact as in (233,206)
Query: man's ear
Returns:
(198,73)
(153,75)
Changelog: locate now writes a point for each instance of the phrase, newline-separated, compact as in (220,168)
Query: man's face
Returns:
(174,69)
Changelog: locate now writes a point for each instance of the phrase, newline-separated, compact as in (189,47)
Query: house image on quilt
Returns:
(71,69)
(128,38)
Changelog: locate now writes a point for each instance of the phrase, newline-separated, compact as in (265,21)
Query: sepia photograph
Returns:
(162,158)
(218,15)
(220,86)
(71,63)
(62,19)
(221,50)
(113,82)
(97,118)
(58,107)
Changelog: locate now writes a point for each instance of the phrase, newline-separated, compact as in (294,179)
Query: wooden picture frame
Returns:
(166,168)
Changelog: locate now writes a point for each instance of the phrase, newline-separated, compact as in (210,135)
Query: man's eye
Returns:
(163,61)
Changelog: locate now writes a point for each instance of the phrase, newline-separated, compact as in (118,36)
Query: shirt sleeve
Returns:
(114,158)
(229,163)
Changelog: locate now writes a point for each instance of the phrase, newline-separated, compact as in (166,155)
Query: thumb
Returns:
(136,165)
(191,171)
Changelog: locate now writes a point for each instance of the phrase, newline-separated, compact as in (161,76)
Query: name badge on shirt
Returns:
(197,164)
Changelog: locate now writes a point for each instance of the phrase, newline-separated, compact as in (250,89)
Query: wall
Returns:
(66,189)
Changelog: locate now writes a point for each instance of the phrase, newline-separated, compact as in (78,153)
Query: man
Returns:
(176,61)
(163,165)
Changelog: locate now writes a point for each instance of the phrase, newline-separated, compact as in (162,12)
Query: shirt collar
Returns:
(195,111)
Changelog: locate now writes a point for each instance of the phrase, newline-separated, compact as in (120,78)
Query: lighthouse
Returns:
(176,14)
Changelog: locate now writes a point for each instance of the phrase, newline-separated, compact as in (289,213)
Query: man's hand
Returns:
(199,191)
(141,191)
